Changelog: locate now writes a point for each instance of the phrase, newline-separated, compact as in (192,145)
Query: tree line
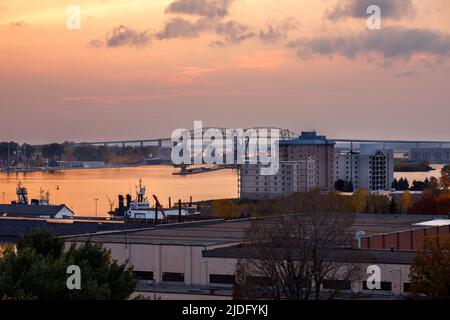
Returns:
(50,154)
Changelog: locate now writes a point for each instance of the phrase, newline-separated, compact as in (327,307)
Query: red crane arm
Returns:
(159,205)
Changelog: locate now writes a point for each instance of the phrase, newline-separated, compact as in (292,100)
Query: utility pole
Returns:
(96,201)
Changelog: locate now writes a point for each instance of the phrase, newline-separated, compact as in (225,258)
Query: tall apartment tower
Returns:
(371,169)
(306,163)
(309,145)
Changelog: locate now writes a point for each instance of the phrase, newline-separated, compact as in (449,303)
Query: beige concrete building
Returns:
(306,162)
(292,176)
(198,260)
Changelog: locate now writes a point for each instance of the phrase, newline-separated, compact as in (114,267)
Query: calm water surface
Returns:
(411,176)
(78,188)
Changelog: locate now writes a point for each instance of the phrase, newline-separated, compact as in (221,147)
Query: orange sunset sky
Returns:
(142,68)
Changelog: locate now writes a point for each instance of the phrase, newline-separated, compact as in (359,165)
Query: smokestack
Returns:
(121,208)
(128,200)
(170,203)
(179,210)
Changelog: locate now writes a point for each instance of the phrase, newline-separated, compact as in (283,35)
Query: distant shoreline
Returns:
(53,169)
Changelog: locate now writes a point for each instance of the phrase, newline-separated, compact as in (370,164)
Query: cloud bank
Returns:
(123,36)
(204,8)
(358,9)
(390,43)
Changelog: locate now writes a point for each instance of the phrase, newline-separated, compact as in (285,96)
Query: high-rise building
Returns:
(372,168)
(306,162)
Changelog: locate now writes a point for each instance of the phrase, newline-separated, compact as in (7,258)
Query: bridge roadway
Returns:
(396,144)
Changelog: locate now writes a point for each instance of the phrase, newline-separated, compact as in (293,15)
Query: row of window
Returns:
(166,276)
(327,284)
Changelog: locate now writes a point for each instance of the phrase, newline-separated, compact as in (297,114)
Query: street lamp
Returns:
(96,201)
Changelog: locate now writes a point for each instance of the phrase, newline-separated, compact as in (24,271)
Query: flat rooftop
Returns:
(11,229)
(220,231)
(349,255)
(202,233)
(373,224)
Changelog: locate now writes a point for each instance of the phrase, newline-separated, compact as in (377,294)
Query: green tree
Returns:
(42,242)
(394,184)
(38,271)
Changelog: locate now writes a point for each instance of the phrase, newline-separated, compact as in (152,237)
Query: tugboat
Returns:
(140,207)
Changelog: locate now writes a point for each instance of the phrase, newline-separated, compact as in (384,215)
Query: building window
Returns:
(407,287)
(173,276)
(385,286)
(258,280)
(144,275)
(337,284)
(222,279)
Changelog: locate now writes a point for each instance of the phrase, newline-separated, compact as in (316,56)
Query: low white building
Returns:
(36,211)
(372,168)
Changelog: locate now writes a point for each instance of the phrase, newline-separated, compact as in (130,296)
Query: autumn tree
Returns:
(430,272)
(225,208)
(359,200)
(406,201)
(445,178)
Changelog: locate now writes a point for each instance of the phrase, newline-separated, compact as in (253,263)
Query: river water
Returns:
(411,176)
(79,188)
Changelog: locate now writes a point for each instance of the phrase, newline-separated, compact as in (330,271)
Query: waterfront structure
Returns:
(81,164)
(372,168)
(36,211)
(431,155)
(36,208)
(306,162)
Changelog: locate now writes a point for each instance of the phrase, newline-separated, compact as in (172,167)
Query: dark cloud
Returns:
(278,31)
(182,28)
(217,44)
(203,8)
(123,36)
(390,43)
(212,14)
(358,9)
(234,32)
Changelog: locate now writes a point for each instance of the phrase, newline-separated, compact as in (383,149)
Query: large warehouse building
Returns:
(198,260)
